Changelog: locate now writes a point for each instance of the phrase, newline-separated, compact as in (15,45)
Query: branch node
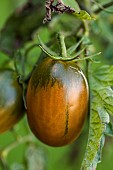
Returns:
(59,8)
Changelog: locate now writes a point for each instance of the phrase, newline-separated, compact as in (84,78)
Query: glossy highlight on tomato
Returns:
(11,102)
(57,102)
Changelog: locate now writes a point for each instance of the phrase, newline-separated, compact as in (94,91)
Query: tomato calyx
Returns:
(65,53)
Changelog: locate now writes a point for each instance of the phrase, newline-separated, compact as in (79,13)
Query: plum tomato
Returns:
(57,101)
(11,100)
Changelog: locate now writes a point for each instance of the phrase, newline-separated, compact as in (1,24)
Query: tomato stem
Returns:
(61,41)
(86,28)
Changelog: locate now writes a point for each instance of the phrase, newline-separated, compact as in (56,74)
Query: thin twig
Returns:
(107,5)
(59,8)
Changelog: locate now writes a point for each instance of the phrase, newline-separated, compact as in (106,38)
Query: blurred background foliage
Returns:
(25,152)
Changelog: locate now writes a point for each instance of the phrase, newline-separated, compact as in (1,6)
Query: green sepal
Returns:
(47,50)
(71,49)
(94,61)
(85,58)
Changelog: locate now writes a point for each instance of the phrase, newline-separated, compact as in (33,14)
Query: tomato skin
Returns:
(57,101)
(11,102)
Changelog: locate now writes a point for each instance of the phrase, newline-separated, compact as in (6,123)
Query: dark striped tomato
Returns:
(11,102)
(57,101)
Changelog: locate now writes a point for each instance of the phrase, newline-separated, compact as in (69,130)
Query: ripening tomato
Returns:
(11,102)
(57,101)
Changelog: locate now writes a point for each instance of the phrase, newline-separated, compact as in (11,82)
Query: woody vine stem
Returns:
(60,7)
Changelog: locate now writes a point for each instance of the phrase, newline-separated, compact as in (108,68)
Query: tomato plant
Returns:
(58,87)
(11,101)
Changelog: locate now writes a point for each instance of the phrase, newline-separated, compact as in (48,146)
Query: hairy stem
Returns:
(60,38)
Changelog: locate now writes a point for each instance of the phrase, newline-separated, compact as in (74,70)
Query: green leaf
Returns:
(101,105)
(97,128)
(83,15)
(71,49)
(106,95)
(104,116)
(105,98)
(104,75)
(72,4)
(99,153)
